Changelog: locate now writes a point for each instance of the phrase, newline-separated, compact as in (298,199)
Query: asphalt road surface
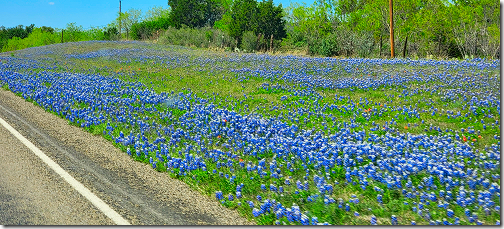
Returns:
(32,193)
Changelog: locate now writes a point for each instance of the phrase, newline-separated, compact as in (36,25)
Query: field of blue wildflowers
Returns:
(287,139)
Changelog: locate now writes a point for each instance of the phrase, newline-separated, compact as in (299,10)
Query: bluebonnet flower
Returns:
(456,221)
(304,220)
(379,199)
(394,220)
(467,212)
(373,220)
(256,212)
(450,213)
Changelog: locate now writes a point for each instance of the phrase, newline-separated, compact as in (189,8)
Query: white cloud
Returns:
(51,3)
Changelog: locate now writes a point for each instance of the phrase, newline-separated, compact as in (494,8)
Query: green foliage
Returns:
(242,18)
(197,37)
(263,18)
(421,28)
(94,33)
(223,23)
(18,31)
(47,35)
(73,33)
(249,42)
(146,29)
(47,29)
(36,38)
(194,13)
(126,20)
(111,34)
(156,13)
(269,21)
(441,28)
(326,46)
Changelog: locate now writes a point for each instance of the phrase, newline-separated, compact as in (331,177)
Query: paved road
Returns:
(33,194)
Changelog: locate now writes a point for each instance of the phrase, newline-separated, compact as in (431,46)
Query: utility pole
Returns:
(62,31)
(391,29)
(120,23)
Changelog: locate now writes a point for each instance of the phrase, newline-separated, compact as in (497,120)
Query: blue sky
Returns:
(87,13)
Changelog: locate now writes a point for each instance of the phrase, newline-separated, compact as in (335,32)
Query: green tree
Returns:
(111,34)
(194,13)
(243,13)
(157,12)
(125,20)
(73,32)
(269,21)
(225,19)
(47,29)
(37,37)
(473,25)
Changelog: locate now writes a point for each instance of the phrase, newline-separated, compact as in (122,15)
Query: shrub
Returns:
(200,37)
(147,29)
(249,42)
(325,46)
(111,34)
(36,38)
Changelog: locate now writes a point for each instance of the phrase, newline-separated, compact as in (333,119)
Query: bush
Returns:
(146,29)
(111,34)
(325,46)
(73,33)
(222,39)
(249,42)
(201,37)
(94,34)
(185,36)
(36,38)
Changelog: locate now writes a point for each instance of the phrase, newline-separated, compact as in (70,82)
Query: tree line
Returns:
(353,28)
(422,28)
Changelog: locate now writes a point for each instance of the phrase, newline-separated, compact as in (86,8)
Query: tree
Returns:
(269,21)
(157,12)
(225,19)
(127,19)
(474,27)
(242,18)
(73,32)
(111,34)
(194,13)
(47,29)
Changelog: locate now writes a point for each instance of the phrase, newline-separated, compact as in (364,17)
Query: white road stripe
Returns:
(97,202)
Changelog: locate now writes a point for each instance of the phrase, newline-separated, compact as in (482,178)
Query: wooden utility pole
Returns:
(120,23)
(391,29)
